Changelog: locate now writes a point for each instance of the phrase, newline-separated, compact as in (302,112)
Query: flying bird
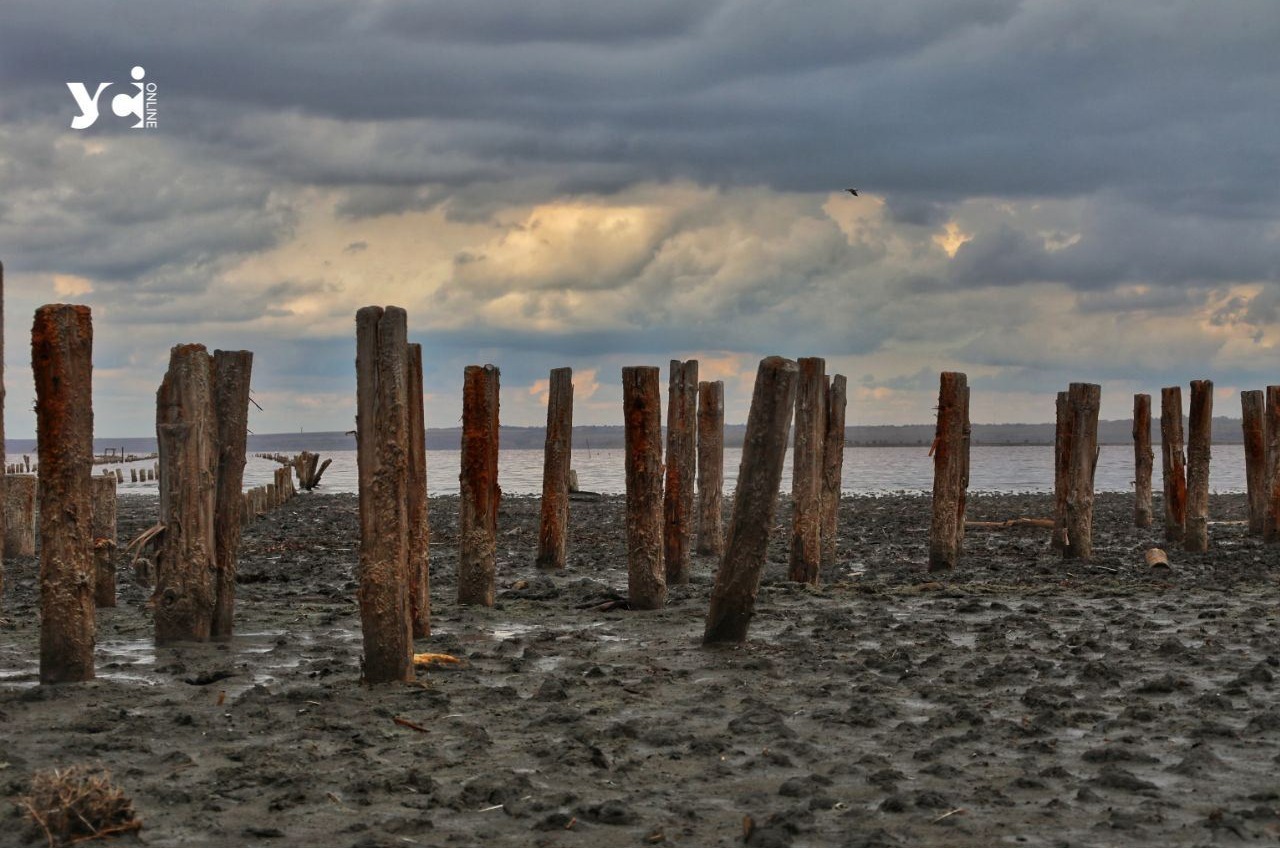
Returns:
(852,191)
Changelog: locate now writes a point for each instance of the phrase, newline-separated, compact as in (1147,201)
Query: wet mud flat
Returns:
(1021,700)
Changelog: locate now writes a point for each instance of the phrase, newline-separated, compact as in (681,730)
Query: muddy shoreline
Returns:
(1021,700)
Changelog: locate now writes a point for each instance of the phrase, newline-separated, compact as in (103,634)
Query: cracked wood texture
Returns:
(1199,434)
(232,370)
(419,533)
(1252,405)
(806,471)
(832,465)
(478,487)
(1083,402)
(1173,463)
(755,501)
(949,470)
(4,464)
(186,564)
(1143,460)
(382,459)
(642,414)
(678,494)
(1061,466)
(1271,482)
(62,362)
(20,515)
(711,468)
(103,494)
(553,523)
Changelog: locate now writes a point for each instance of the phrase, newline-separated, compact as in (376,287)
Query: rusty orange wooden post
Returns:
(642,410)
(1271,479)
(1199,433)
(711,468)
(1143,461)
(479,492)
(1173,463)
(949,467)
(677,504)
(557,452)
(1252,405)
(1083,402)
(806,471)
(232,370)
(419,531)
(832,466)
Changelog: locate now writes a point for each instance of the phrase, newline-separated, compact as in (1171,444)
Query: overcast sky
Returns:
(1051,190)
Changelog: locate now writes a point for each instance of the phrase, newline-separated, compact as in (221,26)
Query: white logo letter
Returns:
(88,105)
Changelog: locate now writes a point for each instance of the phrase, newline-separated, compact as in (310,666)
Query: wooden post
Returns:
(103,495)
(20,515)
(382,459)
(1252,406)
(479,492)
(1061,463)
(948,472)
(419,534)
(1083,402)
(62,361)
(1200,427)
(678,494)
(642,411)
(806,472)
(554,524)
(232,370)
(755,501)
(1173,463)
(186,563)
(4,535)
(1143,460)
(711,468)
(832,465)
(1271,479)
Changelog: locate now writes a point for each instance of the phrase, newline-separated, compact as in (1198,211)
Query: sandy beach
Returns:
(1021,700)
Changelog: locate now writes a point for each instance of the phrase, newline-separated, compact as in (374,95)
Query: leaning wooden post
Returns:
(186,563)
(948,472)
(1252,404)
(558,451)
(755,501)
(711,468)
(479,493)
(419,534)
(806,472)
(1173,463)
(103,495)
(832,465)
(1200,432)
(642,410)
(62,360)
(1143,460)
(1083,402)
(20,515)
(1061,463)
(1271,478)
(678,493)
(232,370)
(382,461)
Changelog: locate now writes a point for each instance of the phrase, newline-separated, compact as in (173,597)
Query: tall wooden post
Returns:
(382,460)
(1252,404)
(1271,481)
(642,414)
(20,515)
(1143,460)
(3,460)
(1083,402)
(678,493)
(1061,464)
(1173,463)
(232,370)
(419,533)
(479,493)
(832,465)
(557,452)
(1200,426)
(103,496)
(62,360)
(711,468)
(948,472)
(754,502)
(187,435)
(806,471)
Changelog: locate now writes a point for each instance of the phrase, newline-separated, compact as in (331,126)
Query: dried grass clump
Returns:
(78,804)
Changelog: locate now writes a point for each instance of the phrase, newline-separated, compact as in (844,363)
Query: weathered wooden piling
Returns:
(806,471)
(711,468)
(755,501)
(832,465)
(681,464)
(20,515)
(1143,461)
(3,459)
(642,411)
(1083,403)
(419,534)
(187,433)
(479,492)
(553,525)
(1252,406)
(382,460)
(232,370)
(62,361)
(1200,427)
(949,467)
(1173,463)
(103,496)
(1061,464)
